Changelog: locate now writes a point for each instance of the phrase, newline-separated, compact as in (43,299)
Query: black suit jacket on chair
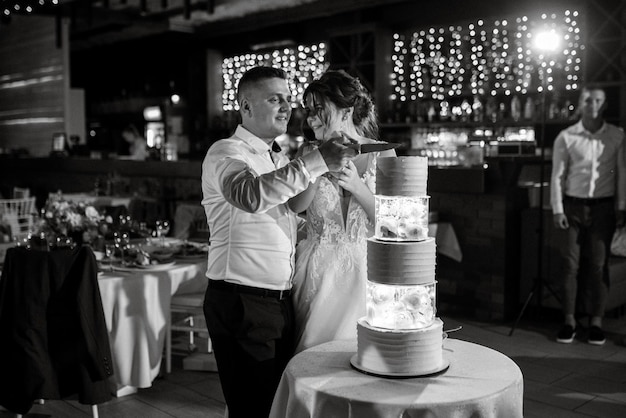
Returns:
(53,336)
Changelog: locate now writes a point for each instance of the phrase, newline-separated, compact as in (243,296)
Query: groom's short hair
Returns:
(255,75)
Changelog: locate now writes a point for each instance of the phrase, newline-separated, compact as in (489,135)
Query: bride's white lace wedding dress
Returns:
(331,265)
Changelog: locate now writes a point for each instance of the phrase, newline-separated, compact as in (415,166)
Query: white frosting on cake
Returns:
(401,176)
(400,334)
(401,262)
(415,352)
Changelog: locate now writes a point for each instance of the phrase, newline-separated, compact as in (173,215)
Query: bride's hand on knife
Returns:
(348,177)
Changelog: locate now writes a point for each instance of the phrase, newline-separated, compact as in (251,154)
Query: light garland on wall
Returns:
(398,80)
(10,7)
(302,64)
(485,59)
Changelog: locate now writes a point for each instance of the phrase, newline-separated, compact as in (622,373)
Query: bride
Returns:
(331,268)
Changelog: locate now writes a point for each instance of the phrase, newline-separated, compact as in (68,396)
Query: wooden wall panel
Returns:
(33,84)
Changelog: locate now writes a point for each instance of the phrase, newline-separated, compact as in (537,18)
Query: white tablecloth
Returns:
(320,383)
(136,307)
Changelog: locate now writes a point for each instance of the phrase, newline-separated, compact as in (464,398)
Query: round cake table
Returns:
(320,382)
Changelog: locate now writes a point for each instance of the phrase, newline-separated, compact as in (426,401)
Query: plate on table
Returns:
(157,267)
(193,256)
(192,251)
(144,267)
(162,256)
(165,242)
(445,364)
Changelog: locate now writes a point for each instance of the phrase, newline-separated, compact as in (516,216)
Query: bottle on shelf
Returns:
(397,116)
(466,111)
(553,110)
(516,108)
(567,110)
(432,113)
(502,112)
(444,110)
(491,109)
(477,110)
(529,108)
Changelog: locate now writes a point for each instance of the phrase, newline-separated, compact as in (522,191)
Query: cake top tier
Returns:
(401,176)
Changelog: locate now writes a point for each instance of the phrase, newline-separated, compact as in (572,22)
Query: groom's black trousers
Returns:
(253,340)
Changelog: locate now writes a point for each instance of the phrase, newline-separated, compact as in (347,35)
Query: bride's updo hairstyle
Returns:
(345,91)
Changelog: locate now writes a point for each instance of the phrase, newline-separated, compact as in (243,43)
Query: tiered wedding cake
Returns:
(400,336)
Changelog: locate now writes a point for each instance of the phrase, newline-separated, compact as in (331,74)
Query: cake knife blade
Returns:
(365,148)
(374,147)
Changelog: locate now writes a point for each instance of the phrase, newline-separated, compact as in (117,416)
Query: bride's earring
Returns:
(344,121)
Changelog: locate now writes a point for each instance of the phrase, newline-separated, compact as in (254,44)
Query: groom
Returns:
(245,187)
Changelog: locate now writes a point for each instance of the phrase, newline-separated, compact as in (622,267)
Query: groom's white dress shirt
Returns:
(253,231)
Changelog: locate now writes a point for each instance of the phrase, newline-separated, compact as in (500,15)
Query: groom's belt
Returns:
(589,201)
(240,288)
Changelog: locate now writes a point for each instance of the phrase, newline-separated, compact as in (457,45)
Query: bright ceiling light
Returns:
(547,40)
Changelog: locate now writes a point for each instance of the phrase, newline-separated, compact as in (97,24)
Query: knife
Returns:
(365,148)
(373,147)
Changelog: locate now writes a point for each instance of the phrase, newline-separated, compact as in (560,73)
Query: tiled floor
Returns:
(560,380)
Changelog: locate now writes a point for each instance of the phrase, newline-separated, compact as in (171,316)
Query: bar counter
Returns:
(483,204)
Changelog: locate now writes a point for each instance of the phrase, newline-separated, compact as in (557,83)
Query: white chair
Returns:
(18,213)
(189,318)
(94,410)
(190,222)
(199,230)
(21,192)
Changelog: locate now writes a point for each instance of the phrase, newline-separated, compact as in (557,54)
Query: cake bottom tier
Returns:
(403,352)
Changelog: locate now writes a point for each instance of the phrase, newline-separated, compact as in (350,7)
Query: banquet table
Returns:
(136,306)
(98,201)
(320,382)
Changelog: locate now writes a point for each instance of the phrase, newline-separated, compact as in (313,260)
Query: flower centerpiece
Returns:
(78,220)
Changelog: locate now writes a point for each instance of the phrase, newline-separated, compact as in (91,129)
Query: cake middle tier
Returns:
(401,263)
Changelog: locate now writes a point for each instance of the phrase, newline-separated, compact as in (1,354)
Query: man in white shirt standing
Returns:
(245,186)
(588,198)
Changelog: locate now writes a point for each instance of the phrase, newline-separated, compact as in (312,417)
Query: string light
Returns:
(25,7)
(302,64)
(485,58)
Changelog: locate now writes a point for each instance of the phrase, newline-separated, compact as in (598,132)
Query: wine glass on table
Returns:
(162,229)
(109,250)
(121,239)
(125,222)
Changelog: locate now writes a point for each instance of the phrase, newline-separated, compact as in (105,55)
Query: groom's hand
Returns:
(335,154)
